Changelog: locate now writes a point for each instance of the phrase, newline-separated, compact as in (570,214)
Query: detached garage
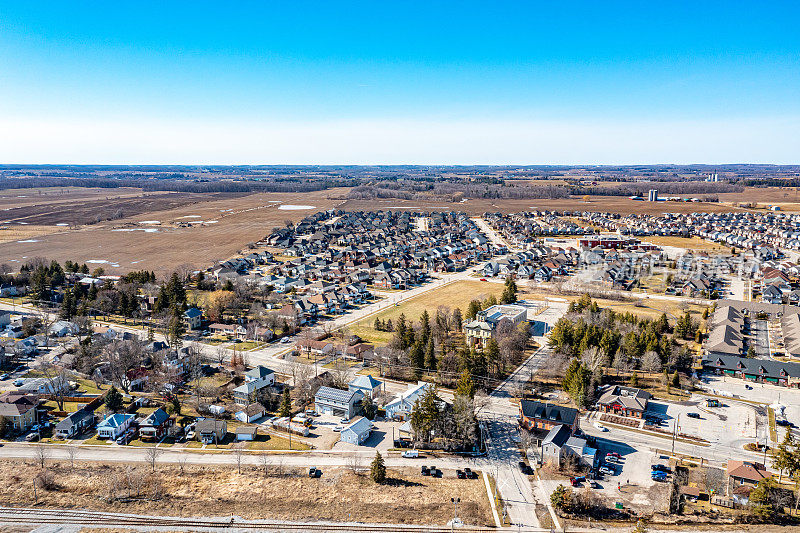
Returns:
(357,431)
(338,402)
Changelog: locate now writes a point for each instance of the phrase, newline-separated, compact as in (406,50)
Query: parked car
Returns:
(425,471)
(460,474)
(32,437)
(660,468)
(600,426)
(693,415)
(613,454)
(410,454)
(435,472)
(19,382)
(314,472)
(748,387)
(470,473)
(337,429)
(605,470)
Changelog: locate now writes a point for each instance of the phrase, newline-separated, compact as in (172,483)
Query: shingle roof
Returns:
(558,435)
(544,411)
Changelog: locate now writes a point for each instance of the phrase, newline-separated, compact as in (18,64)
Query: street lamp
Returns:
(455,507)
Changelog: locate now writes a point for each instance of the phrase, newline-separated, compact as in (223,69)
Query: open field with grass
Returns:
(695,244)
(339,495)
(174,229)
(457,294)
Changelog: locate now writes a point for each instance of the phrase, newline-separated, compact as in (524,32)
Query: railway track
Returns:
(9,515)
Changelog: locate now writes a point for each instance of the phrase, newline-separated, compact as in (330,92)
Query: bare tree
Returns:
(221,353)
(182,458)
(121,357)
(72,451)
(42,454)
(238,454)
(354,463)
(151,455)
(57,378)
(651,362)
(264,460)
(341,374)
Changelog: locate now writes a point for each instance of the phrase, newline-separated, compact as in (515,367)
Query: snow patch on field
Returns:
(191,216)
(292,207)
(62,224)
(146,230)
(29,240)
(150,222)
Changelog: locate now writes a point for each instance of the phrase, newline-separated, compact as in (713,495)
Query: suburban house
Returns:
(624,401)
(44,385)
(251,413)
(114,425)
(357,431)
(338,402)
(193,317)
(367,384)
(246,433)
(256,379)
(402,406)
(211,431)
(155,425)
(539,418)
(19,409)
(74,424)
(745,473)
(560,444)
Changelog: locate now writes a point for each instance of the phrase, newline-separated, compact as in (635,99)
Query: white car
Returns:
(600,426)
(337,429)
(606,471)
(411,454)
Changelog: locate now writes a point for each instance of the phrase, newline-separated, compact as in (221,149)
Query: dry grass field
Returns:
(695,244)
(339,495)
(208,229)
(457,294)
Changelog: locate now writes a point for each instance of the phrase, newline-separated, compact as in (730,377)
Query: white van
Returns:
(411,454)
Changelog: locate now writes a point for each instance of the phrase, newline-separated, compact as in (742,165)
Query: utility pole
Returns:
(674,434)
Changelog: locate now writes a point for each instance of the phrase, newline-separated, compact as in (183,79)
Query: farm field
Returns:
(207,229)
(478,206)
(457,294)
(339,495)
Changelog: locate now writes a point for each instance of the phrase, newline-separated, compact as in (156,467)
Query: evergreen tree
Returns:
(417,356)
(67,305)
(377,470)
(466,386)
(509,295)
(457,320)
(493,356)
(425,326)
(473,309)
(676,380)
(93,292)
(113,400)
(286,404)
(400,330)
(430,356)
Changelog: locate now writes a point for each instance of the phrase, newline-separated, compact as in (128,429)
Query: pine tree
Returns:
(430,356)
(466,386)
(457,320)
(93,292)
(425,329)
(113,400)
(417,356)
(286,404)
(377,469)
(493,356)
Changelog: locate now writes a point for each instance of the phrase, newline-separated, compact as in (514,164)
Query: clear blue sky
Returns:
(399,82)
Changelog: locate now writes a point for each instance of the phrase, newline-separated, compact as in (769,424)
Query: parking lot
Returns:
(328,427)
(725,423)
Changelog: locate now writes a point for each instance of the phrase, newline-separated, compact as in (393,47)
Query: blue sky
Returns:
(399,82)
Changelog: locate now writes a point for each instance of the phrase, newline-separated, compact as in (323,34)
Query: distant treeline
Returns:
(197,186)
(663,188)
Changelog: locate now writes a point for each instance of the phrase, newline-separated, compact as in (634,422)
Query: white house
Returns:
(251,413)
(338,402)
(193,317)
(356,431)
(401,406)
(254,380)
(114,425)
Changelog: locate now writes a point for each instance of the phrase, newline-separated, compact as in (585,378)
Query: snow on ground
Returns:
(292,207)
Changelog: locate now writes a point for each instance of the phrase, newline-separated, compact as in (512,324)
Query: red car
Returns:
(483,279)
(613,454)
